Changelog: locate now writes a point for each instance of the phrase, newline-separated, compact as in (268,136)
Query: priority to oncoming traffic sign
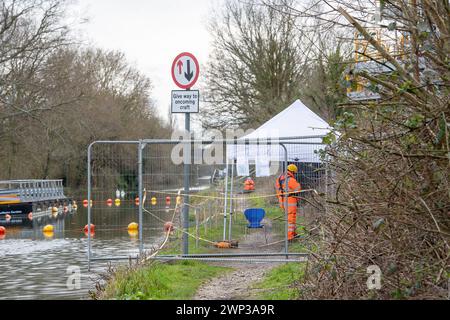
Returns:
(185,70)
(184,101)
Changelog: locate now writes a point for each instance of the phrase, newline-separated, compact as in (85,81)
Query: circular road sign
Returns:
(185,70)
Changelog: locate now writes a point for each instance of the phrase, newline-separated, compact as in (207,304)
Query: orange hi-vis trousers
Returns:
(292,216)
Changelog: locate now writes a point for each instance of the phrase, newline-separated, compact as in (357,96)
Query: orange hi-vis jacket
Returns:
(249,185)
(293,187)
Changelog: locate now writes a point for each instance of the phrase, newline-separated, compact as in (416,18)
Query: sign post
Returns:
(185,72)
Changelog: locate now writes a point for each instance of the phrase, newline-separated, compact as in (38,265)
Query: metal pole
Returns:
(236,260)
(225,202)
(141,203)
(89,205)
(187,169)
(286,225)
(231,202)
(196,228)
(205,141)
(225,255)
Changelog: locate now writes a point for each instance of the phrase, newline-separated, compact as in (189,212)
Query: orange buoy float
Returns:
(133,226)
(48,228)
(2,231)
(168,226)
(109,202)
(87,234)
(30,216)
(133,233)
(85,203)
(136,201)
(86,228)
(48,234)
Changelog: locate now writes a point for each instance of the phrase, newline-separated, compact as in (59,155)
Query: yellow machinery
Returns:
(366,57)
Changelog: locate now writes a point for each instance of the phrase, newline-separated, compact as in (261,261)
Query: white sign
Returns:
(262,166)
(185,101)
(185,70)
(242,167)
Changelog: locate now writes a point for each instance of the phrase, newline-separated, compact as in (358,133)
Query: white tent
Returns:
(297,120)
(298,124)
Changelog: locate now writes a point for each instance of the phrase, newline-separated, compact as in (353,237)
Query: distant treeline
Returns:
(58,94)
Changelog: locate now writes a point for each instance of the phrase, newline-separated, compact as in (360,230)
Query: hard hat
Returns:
(293,168)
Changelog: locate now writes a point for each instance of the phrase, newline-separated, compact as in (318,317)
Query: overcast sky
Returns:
(151,33)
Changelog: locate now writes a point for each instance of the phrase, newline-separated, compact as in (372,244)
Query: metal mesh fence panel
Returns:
(217,221)
(114,188)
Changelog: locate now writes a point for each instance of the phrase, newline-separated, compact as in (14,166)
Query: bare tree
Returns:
(390,205)
(56,98)
(323,87)
(30,31)
(255,66)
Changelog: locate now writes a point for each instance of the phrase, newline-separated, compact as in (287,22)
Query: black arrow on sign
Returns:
(189,73)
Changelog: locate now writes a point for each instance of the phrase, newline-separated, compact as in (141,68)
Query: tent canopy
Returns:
(297,120)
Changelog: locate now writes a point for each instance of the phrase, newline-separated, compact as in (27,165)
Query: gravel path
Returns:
(234,285)
(238,283)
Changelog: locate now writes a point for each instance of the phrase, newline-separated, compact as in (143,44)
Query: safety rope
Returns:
(199,205)
(167,232)
(236,198)
(219,197)
(173,226)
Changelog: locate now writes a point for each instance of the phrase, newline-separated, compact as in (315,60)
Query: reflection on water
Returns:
(33,265)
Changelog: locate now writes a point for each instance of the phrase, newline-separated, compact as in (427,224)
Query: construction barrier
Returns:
(210,217)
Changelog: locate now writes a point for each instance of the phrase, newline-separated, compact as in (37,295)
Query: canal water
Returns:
(34,265)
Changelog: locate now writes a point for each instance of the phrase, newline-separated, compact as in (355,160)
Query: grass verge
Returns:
(281,283)
(160,281)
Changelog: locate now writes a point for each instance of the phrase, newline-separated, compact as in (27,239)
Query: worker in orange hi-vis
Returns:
(249,185)
(293,189)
